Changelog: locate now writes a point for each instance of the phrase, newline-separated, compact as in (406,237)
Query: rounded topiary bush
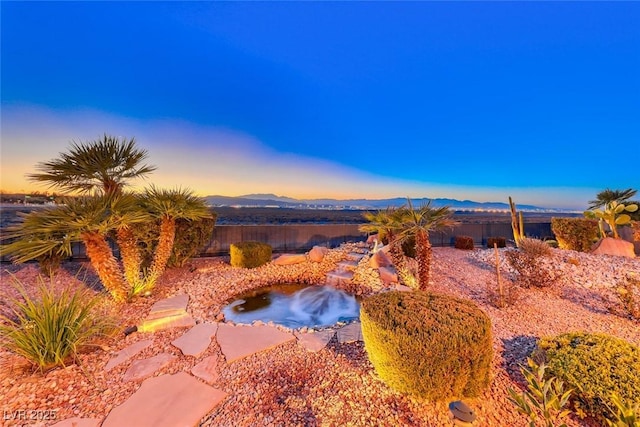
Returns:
(430,346)
(595,366)
(249,254)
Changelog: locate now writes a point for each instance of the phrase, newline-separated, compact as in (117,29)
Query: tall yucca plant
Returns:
(419,223)
(104,165)
(168,206)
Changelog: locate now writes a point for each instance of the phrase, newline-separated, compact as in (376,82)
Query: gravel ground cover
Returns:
(337,386)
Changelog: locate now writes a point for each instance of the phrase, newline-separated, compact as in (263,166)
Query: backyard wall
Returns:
(302,237)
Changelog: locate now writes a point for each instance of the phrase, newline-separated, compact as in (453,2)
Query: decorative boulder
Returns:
(372,239)
(290,259)
(388,275)
(317,253)
(616,247)
(380,259)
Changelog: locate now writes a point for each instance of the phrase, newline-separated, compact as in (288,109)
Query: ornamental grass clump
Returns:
(51,329)
(597,367)
(428,345)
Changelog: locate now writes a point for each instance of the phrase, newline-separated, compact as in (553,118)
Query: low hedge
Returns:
(463,242)
(595,366)
(250,254)
(577,234)
(428,345)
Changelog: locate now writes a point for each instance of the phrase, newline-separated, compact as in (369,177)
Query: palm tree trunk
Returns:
(397,257)
(131,258)
(163,251)
(105,264)
(423,255)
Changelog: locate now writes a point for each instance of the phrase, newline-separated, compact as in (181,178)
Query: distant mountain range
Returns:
(271,200)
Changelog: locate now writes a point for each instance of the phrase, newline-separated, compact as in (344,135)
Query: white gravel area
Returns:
(337,386)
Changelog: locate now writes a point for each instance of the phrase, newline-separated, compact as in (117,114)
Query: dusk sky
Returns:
(468,100)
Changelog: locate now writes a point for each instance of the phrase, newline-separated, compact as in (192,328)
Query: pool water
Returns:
(294,306)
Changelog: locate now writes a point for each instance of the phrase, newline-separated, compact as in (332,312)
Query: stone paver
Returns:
(314,341)
(350,333)
(78,422)
(237,342)
(182,320)
(127,353)
(207,370)
(168,313)
(348,265)
(169,306)
(141,369)
(355,256)
(196,340)
(166,401)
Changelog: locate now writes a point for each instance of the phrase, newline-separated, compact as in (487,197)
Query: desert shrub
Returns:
(190,239)
(596,366)
(531,262)
(629,294)
(250,254)
(409,246)
(500,241)
(50,330)
(463,242)
(430,346)
(577,234)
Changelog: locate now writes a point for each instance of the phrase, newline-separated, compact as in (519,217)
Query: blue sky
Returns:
(470,100)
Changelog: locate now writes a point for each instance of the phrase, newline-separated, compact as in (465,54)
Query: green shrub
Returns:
(463,242)
(191,237)
(249,254)
(428,345)
(500,241)
(49,331)
(576,234)
(596,366)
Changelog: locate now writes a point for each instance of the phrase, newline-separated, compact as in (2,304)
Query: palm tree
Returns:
(85,219)
(103,165)
(419,223)
(607,196)
(386,223)
(168,206)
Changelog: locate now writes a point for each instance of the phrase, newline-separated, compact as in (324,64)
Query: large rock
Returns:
(388,275)
(317,253)
(615,247)
(380,259)
(290,259)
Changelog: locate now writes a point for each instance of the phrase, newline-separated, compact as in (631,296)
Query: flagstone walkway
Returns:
(182,399)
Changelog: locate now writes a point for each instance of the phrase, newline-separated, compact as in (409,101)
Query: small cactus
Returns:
(613,214)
